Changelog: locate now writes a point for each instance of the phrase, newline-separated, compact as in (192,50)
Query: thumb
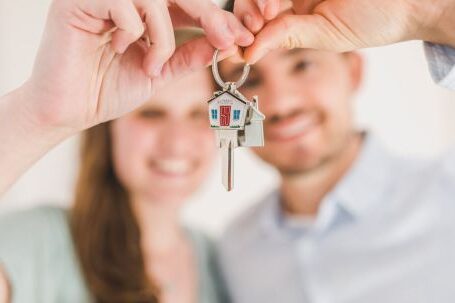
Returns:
(299,31)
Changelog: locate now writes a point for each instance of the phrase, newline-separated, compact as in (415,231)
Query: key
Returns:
(236,121)
(227,118)
(228,142)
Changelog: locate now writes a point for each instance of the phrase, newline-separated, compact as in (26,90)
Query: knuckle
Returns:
(292,41)
(287,23)
(292,38)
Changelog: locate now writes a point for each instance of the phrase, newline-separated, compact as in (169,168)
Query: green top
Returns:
(37,254)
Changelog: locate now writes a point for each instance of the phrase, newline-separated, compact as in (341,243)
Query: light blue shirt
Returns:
(441,60)
(37,253)
(386,233)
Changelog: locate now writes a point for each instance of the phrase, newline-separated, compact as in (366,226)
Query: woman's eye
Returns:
(301,66)
(199,115)
(151,114)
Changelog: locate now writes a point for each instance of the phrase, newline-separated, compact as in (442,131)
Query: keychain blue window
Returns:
(214,114)
(236,115)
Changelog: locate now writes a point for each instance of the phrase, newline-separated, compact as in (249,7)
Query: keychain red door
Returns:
(225,115)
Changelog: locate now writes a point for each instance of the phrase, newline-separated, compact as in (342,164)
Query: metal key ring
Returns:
(216,74)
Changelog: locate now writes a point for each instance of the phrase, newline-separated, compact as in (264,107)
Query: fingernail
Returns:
(121,49)
(227,33)
(262,4)
(156,71)
(248,21)
(232,51)
(255,56)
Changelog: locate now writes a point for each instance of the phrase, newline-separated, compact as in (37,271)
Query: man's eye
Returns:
(301,66)
(151,114)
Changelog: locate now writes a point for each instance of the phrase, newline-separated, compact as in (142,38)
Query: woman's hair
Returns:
(105,231)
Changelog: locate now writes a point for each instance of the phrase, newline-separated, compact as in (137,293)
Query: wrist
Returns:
(20,112)
(24,136)
(44,112)
(437,22)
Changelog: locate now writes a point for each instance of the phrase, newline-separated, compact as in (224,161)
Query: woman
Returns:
(122,241)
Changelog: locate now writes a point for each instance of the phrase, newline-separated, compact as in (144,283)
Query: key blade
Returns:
(229,140)
(227,166)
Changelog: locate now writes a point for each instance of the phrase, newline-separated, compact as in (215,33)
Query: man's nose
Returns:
(281,96)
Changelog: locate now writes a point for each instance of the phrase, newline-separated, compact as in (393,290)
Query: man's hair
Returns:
(229,6)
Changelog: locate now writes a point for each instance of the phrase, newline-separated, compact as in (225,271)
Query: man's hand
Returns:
(100,59)
(343,25)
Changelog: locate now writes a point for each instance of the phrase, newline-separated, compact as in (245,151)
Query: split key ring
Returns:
(216,74)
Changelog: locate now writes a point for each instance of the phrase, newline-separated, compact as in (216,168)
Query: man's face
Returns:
(306,97)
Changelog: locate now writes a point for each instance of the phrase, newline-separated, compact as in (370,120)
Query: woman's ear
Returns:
(356,67)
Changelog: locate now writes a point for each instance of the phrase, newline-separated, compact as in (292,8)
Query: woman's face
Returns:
(163,150)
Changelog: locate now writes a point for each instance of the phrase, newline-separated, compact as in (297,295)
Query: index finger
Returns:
(221,29)
(125,17)
(161,34)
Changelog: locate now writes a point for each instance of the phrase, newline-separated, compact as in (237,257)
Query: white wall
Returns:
(398,101)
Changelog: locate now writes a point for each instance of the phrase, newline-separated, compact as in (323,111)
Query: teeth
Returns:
(173,166)
(294,129)
(297,127)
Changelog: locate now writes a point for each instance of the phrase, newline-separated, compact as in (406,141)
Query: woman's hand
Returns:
(102,58)
(343,25)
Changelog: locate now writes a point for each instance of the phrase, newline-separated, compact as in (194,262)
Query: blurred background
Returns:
(398,101)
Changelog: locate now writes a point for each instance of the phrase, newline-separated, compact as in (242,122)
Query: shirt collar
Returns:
(358,191)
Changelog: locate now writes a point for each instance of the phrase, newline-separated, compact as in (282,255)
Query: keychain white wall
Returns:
(398,101)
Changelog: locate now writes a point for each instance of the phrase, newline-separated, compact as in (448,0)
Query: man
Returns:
(350,222)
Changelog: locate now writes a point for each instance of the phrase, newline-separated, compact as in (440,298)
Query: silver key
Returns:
(228,140)
(236,120)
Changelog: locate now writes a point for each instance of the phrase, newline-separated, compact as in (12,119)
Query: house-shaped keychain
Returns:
(235,120)
(229,110)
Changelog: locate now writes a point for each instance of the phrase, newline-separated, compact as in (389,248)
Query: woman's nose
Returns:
(176,138)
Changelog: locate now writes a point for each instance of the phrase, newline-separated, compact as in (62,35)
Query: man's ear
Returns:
(356,67)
